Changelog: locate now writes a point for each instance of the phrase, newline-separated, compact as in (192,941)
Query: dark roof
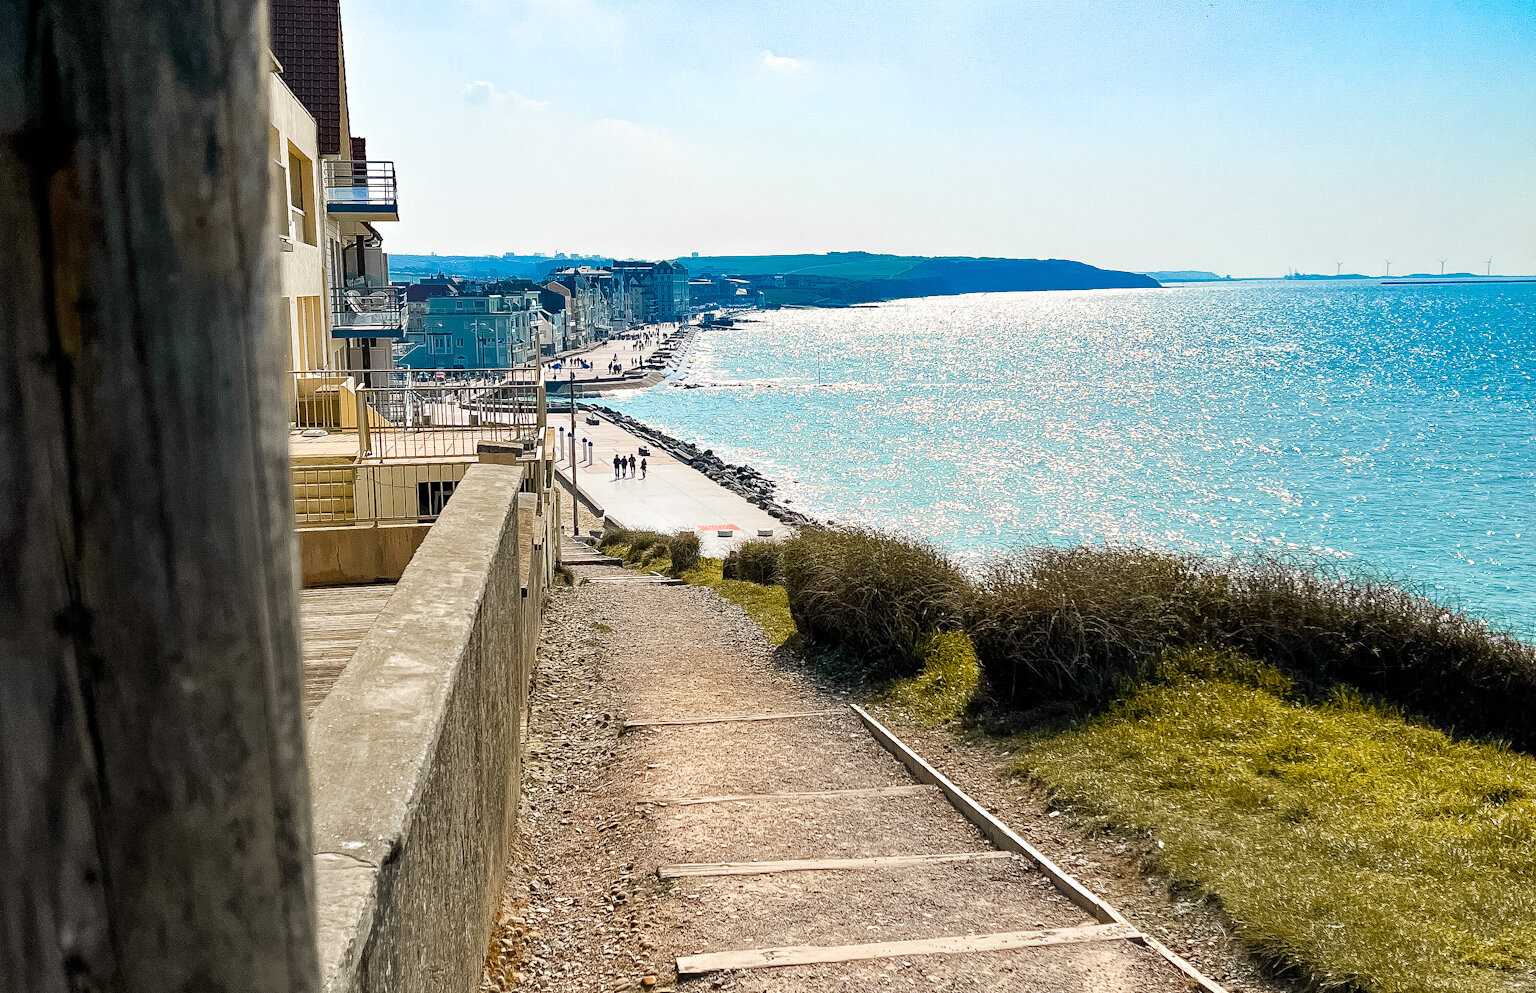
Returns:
(306,38)
(426,291)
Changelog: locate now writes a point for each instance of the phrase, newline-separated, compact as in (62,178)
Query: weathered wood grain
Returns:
(764,958)
(684,869)
(872,791)
(154,818)
(663,722)
(332,622)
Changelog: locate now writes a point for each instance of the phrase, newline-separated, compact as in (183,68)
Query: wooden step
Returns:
(685,869)
(763,958)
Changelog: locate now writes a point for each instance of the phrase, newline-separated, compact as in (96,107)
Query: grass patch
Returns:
(941,693)
(1344,842)
(766,605)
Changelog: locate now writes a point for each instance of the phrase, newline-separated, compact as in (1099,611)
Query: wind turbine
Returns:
(1442,267)
(1389,268)
(1490,265)
(1338,267)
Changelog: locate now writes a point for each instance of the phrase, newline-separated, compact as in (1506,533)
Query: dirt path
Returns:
(601,814)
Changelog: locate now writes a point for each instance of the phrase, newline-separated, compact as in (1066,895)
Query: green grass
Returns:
(767,605)
(941,692)
(1344,842)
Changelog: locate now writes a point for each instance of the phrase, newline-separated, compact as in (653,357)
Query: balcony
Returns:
(361,190)
(368,312)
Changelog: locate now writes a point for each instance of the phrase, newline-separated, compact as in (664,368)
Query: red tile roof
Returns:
(306,38)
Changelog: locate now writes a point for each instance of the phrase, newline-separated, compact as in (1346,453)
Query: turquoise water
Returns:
(1390,428)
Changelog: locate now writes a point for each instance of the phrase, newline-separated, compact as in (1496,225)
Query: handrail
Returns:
(359,184)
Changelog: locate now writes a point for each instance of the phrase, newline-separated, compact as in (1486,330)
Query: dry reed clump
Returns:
(754,562)
(637,547)
(870,595)
(683,549)
(1431,659)
(643,548)
(1077,626)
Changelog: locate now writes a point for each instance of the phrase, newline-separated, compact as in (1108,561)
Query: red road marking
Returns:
(718,527)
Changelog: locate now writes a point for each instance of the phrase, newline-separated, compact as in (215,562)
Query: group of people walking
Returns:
(624,467)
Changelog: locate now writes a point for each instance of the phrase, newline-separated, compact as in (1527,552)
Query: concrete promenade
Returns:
(636,374)
(673,496)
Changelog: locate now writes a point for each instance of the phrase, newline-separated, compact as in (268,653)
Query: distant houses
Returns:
(455,323)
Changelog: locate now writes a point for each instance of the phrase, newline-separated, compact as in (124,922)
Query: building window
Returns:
(432,496)
(440,342)
(301,199)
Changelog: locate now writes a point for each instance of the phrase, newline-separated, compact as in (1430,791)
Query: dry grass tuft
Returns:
(871,596)
(1079,626)
(754,561)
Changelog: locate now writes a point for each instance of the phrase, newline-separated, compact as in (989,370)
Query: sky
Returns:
(1242,138)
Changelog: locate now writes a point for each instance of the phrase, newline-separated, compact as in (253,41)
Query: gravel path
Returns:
(584,907)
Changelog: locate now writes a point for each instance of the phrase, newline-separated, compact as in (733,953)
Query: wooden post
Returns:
(154,815)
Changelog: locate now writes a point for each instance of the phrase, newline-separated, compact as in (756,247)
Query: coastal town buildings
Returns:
(598,307)
(300,272)
(663,288)
(496,331)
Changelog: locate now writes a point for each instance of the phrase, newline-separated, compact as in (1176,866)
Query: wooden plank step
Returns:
(684,869)
(728,719)
(765,958)
(912,790)
(1005,838)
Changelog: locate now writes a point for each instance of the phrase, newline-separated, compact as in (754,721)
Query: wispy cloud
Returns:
(783,63)
(481,93)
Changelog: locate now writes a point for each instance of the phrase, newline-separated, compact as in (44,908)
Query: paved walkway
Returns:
(655,337)
(653,836)
(672,497)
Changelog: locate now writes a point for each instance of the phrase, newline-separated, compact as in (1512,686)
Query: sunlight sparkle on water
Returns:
(1384,427)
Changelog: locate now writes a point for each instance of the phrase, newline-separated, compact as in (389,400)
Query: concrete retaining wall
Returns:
(365,553)
(415,754)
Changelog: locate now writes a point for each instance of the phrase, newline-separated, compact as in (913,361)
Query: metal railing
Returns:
(360,186)
(344,495)
(368,312)
(445,420)
(402,414)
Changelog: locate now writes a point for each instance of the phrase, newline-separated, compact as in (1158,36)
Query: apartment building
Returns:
(475,332)
(336,195)
(663,288)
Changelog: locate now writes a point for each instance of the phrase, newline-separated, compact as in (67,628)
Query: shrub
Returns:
(753,561)
(634,547)
(1076,626)
(1388,641)
(683,549)
(870,595)
(942,691)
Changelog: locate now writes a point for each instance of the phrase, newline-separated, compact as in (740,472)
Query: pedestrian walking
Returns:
(642,468)
(631,465)
(615,467)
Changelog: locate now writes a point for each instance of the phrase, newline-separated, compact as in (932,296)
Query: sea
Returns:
(1384,429)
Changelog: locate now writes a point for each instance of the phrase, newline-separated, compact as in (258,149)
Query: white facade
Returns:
(300,238)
